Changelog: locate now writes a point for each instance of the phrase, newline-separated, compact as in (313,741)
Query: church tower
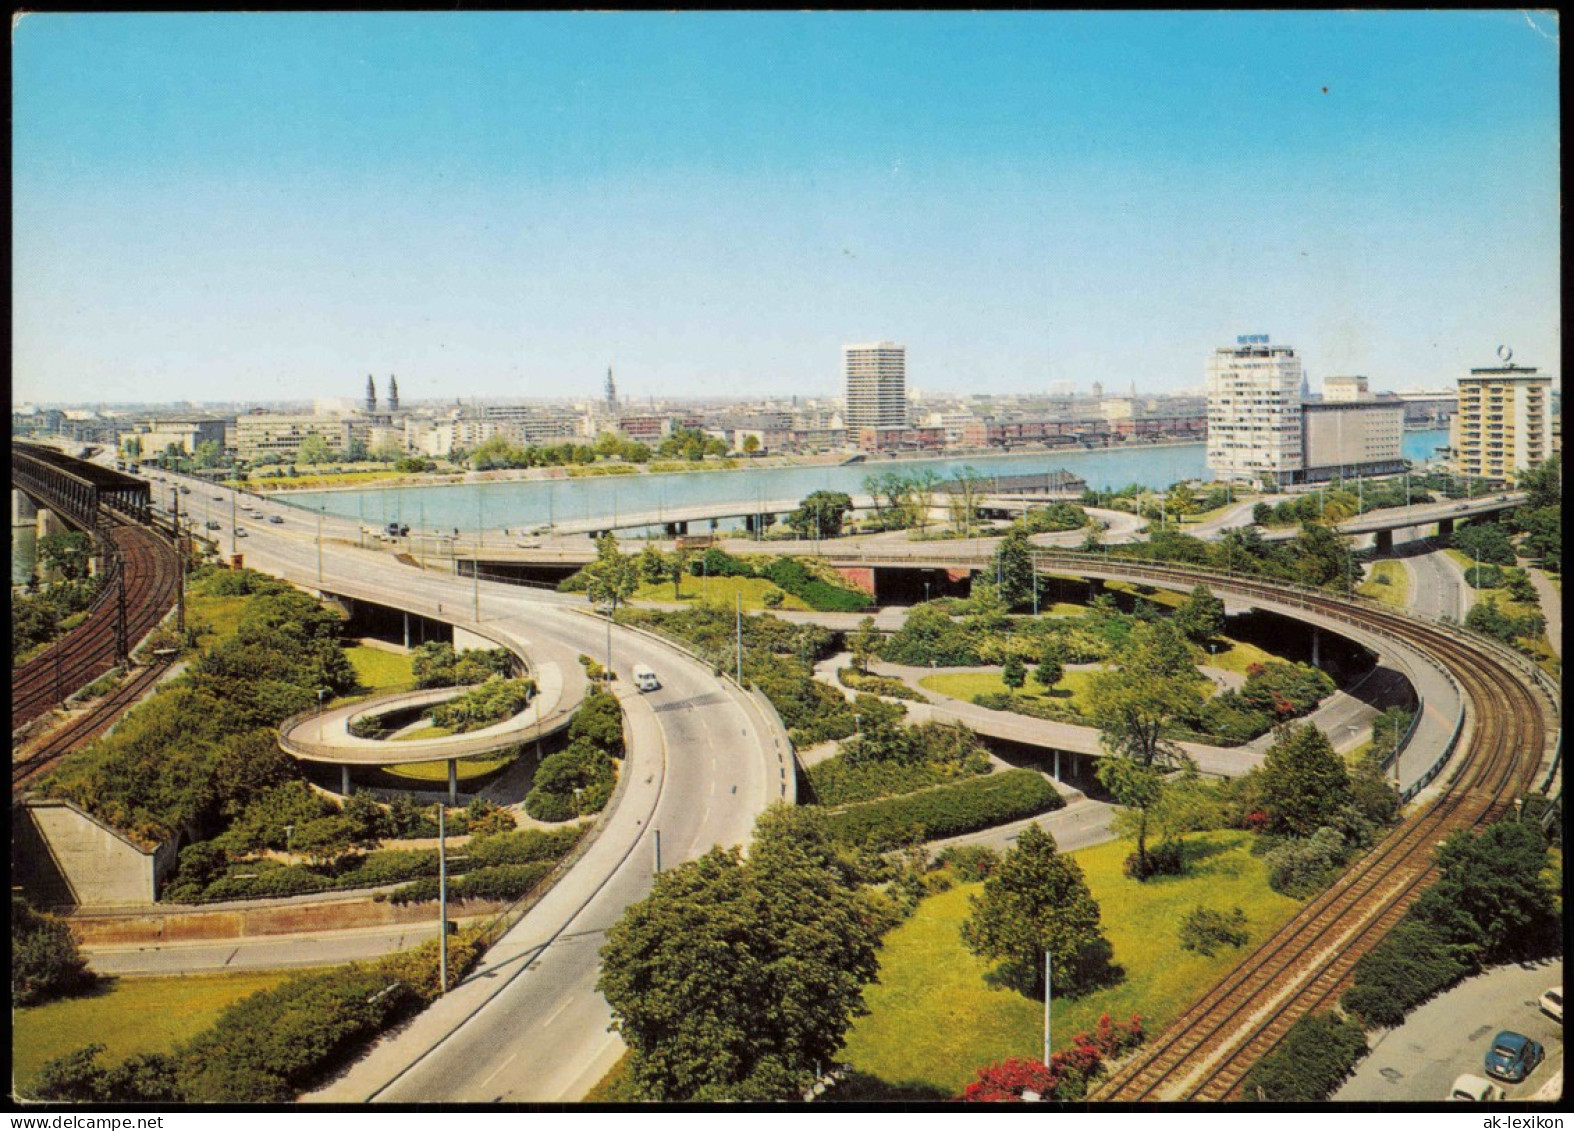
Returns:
(371,395)
(393,393)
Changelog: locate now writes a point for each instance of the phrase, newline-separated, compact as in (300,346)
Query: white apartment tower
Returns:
(876,386)
(1254,411)
(1504,422)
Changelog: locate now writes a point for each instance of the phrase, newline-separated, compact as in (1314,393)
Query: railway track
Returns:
(1207,1052)
(39,757)
(147,562)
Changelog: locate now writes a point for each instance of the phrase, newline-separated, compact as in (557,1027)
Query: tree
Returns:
(751,444)
(1153,687)
(1038,901)
(613,576)
(820,514)
(922,491)
(67,553)
(1320,556)
(207,454)
(862,644)
(734,980)
(966,484)
(1014,568)
(677,566)
(1304,782)
(314,450)
(1051,668)
(1013,674)
(45,962)
(652,566)
(1201,616)
(1493,894)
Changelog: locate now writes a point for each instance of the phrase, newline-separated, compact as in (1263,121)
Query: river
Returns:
(512,505)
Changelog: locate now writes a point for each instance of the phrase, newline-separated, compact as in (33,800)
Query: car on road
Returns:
(645,679)
(274,518)
(1474,1090)
(1512,1056)
(211,524)
(218,498)
(240,532)
(1552,1004)
(185,490)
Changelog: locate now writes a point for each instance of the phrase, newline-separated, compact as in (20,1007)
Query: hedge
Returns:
(834,782)
(1414,962)
(945,811)
(502,882)
(790,575)
(877,685)
(1315,1056)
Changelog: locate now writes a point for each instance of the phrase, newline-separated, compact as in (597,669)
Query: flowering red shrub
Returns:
(1068,1073)
(1256,821)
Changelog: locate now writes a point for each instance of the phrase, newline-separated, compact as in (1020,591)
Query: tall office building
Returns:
(1254,411)
(876,386)
(1504,422)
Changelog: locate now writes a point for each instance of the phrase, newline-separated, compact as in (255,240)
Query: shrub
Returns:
(1303,865)
(972,863)
(1168,858)
(790,575)
(45,962)
(1412,964)
(945,811)
(493,701)
(582,766)
(1068,1073)
(500,882)
(718,563)
(600,720)
(1033,708)
(1206,930)
(1316,1054)
(877,685)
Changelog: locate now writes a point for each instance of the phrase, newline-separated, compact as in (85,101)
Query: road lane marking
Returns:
(556,1013)
(512,1057)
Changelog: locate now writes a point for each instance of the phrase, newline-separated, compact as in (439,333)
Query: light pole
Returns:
(606,674)
(289,832)
(1047,995)
(442,897)
(319,543)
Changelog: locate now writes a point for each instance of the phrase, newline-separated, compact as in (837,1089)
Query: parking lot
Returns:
(1449,1035)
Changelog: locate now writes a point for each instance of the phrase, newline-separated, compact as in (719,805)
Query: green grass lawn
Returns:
(722,591)
(1237,655)
(964,685)
(1396,590)
(934,1020)
(425,732)
(1169,598)
(130,1016)
(377,669)
(467,769)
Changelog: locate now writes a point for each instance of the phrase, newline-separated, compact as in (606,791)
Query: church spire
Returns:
(393,393)
(371,394)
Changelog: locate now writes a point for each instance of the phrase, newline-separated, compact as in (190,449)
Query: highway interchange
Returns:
(527,1026)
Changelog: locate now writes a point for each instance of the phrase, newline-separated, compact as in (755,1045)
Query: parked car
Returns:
(1513,1056)
(1552,1004)
(1475,1090)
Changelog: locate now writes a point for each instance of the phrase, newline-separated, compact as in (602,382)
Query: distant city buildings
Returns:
(876,379)
(1504,424)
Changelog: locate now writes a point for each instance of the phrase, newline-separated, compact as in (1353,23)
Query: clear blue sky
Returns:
(272,206)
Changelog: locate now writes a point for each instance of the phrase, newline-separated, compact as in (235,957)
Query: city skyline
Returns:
(495,205)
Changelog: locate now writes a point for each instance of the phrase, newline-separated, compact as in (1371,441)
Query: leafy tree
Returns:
(821,514)
(966,486)
(1051,668)
(1038,901)
(863,643)
(1262,514)
(1304,782)
(613,576)
(207,454)
(314,450)
(1322,556)
(67,553)
(1493,894)
(652,566)
(677,566)
(1153,688)
(734,980)
(751,444)
(1013,674)
(1201,616)
(1014,568)
(45,962)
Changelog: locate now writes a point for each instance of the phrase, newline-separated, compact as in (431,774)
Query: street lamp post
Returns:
(319,543)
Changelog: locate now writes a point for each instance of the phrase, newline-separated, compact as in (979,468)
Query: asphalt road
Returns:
(528,1026)
(1446,1037)
(1437,586)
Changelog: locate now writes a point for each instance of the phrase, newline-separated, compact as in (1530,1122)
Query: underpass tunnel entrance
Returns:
(395,626)
(894,585)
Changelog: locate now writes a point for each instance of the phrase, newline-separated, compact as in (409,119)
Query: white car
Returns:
(1552,1004)
(1474,1090)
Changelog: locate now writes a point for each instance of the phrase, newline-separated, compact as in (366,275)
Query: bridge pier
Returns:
(47,523)
(1384,542)
(344,780)
(748,523)
(1056,774)
(453,781)
(1316,640)
(24,512)
(1445,526)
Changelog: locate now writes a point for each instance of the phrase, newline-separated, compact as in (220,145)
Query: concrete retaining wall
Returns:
(90,863)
